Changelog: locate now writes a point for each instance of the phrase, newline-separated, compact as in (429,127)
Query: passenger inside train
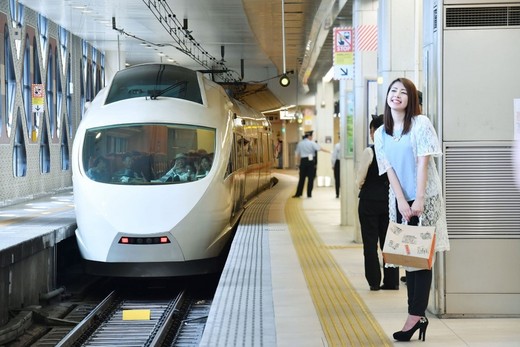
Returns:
(181,171)
(203,167)
(99,170)
(150,153)
(128,173)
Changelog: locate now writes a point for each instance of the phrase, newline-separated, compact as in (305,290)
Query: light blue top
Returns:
(421,141)
(399,153)
(307,149)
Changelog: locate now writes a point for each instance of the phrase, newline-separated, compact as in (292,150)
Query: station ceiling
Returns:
(244,36)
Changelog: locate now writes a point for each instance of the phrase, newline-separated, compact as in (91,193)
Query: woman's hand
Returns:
(418,207)
(404,209)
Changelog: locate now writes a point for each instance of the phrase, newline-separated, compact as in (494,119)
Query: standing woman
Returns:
(405,147)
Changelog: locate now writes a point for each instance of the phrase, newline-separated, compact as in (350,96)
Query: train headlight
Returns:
(156,240)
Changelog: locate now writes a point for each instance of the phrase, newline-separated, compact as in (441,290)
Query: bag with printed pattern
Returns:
(409,245)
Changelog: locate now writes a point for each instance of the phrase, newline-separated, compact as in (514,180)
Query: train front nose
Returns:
(144,248)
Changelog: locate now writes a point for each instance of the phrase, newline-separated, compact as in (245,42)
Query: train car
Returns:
(164,162)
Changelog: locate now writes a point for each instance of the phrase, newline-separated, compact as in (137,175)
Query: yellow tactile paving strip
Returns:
(345,319)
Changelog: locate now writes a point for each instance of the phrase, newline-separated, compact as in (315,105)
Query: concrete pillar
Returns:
(364,22)
(324,128)
(400,43)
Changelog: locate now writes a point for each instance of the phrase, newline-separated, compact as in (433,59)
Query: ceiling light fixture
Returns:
(284,80)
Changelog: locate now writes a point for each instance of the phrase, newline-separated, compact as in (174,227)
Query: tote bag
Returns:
(409,245)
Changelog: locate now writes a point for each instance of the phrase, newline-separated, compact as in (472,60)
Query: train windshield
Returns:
(148,154)
(155,80)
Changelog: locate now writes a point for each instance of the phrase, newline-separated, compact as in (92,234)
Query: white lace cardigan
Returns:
(424,142)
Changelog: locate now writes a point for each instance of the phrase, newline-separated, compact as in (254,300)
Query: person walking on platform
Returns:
(405,147)
(335,160)
(373,215)
(306,152)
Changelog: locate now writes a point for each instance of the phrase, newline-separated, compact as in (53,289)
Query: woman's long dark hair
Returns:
(412,109)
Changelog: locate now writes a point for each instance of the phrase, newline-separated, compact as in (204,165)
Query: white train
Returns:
(163,164)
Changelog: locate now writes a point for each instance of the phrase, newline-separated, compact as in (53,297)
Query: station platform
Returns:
(30,232)
(295,277)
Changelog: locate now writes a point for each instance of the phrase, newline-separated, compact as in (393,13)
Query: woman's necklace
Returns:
(397,138)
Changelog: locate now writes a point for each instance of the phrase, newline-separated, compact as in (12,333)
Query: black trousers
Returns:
(336,176)
(307,170)
(418,283)
(373,218)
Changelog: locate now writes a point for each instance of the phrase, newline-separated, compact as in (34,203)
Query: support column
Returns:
(324,128)
(364,20)
(400,43)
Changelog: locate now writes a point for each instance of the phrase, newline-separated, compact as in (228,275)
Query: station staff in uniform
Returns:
(306,151)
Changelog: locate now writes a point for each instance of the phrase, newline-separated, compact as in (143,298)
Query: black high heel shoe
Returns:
(422,324)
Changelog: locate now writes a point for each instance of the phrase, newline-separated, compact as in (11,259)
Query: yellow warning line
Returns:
(344,317)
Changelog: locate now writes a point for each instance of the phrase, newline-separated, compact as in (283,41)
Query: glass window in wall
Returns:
(89,83)
(81,89)
(68,101)
(37,80)
(50,92)
(148,153)
(102,69)
(2,102)
(27,84)
(10,83)
(59,93)
(64,149)
(64,43)
(45,153)
(43,29)
(83,76)
(19,150)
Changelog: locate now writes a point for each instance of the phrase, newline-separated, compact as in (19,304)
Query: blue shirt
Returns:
(399,153)
(307,149)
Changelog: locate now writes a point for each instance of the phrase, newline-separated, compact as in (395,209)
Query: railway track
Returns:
(90,312)
(119,321)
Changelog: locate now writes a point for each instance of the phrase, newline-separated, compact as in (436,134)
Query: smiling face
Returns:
(397,97)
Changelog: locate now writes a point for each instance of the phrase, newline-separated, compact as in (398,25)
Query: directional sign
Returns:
(343,72)
(343,55)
